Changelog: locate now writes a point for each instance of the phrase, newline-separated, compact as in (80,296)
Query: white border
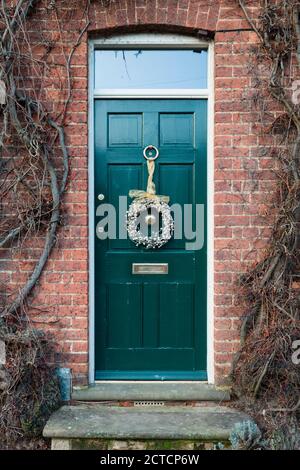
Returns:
(91,212)
(150,41)
(188,93)
(169,41)
(210,215)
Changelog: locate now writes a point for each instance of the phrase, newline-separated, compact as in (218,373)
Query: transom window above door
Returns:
(130,69)
(150,72)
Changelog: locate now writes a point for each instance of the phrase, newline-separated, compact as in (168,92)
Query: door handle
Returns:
(148,152)
(101,197)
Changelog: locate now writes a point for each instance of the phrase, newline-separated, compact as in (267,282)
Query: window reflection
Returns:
(158,69)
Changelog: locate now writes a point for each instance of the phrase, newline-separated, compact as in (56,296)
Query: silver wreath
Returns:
(158,237)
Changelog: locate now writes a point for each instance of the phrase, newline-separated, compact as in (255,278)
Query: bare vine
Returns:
(26,120)
(263,369)
(34,169)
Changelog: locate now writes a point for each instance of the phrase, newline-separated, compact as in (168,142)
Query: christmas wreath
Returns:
(149,219)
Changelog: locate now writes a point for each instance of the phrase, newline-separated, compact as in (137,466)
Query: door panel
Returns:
(119,178)
(177,182)
(125,129)
(176,129)
(150,326)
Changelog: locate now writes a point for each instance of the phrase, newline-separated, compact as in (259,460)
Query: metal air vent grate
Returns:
(149,403)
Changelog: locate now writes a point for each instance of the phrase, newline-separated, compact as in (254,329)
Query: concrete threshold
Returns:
(151,391)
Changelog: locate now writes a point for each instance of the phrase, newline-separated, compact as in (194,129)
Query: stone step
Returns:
(151,391)
(105,427)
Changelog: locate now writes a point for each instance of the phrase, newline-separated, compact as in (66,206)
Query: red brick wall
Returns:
(243,179)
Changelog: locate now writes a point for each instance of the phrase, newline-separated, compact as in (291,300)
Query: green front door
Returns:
(150,327)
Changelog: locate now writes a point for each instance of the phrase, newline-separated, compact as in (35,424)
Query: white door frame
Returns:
(154,41)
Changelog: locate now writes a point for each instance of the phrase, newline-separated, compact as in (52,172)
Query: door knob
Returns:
(150,152)
(101,197)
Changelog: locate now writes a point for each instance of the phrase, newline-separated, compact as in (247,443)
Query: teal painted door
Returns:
(150,327)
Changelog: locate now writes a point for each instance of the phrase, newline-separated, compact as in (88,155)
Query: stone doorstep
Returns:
(159,445)
(79,426)
(151,391)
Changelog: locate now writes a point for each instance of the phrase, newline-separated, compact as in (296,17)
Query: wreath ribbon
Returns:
(150,192)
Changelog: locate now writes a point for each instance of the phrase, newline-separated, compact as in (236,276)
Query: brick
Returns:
(79,346)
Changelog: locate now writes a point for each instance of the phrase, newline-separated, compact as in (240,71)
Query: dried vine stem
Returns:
(27,125)
(34,170)
(263,368)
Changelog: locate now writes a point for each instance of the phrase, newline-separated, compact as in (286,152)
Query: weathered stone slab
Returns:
(134,423)
(160,391)
(106,444)
(61,444)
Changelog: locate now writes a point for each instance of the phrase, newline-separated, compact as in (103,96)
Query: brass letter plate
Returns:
(150,268)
